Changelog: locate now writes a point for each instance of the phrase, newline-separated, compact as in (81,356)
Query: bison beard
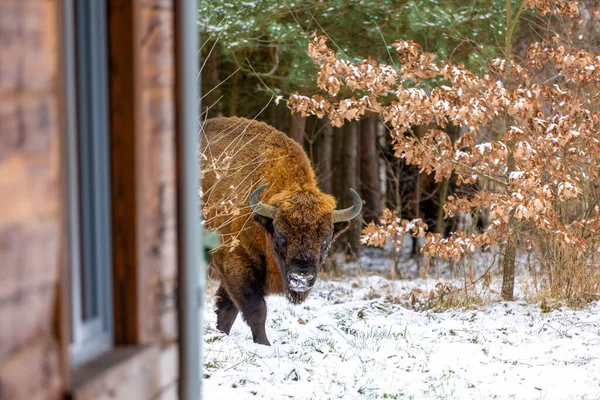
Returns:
(294,224)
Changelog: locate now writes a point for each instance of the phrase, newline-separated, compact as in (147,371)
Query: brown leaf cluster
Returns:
(565,8)
(392,229)
(538,160)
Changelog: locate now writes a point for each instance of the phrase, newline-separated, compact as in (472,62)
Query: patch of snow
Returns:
(516,174)
(483,146)
(347,341)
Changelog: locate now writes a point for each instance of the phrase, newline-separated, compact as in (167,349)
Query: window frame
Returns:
(91,267)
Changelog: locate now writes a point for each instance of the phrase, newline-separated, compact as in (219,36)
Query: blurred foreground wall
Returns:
(37,357)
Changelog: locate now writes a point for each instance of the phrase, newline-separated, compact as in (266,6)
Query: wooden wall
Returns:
(143,129)
(158,127)
(30,199)
(31,222)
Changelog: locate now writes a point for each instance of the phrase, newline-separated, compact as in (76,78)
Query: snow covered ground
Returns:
(356,338)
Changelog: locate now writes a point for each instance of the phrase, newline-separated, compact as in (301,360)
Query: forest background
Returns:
(526,188)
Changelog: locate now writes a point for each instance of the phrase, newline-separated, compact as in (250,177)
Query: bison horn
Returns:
(259,207)
(348,213)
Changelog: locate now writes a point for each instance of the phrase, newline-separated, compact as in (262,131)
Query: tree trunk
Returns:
(440,225)
(234,95)
(298,128)
(325,157)
(393,167)
(510,251)
(419,132)
(350,179)
(508,271)
(274,116)
(370,188)
(417,211)
(337,173)
(338,163)
(381,149)
(211,82)
(444,185)
(310,139)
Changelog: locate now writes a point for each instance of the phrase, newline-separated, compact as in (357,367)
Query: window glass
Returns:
(92,331)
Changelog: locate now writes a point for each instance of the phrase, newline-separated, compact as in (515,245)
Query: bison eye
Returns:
(324,245)
(280,241)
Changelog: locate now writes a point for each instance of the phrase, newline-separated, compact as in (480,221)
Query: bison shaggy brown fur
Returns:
(275,245)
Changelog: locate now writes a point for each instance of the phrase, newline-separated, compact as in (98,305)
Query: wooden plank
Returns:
(141,126)
(124,125)
(27,123)
(11,45)
(169,325)
(28,253)
(157,47)
(166,4)
(30,189)
(28,46)
(159,111)
(169,235)
(31,314)
(142,135)
(66,122)
(40,35)
(29,163)
(33,373)
(9,124)
(150,225)
(169,365)
(30,212)
(125,373)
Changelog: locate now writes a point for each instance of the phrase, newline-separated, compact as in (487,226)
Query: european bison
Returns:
(255,171)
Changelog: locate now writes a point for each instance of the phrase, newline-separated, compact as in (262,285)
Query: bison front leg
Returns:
(226,311)
(244,284)
(254,312)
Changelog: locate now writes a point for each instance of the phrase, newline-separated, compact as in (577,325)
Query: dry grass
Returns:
(466,284)
(563,275)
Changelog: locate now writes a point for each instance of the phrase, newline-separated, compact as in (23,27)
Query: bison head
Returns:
(301,225)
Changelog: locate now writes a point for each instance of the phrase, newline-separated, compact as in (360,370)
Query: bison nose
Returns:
(300,282)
